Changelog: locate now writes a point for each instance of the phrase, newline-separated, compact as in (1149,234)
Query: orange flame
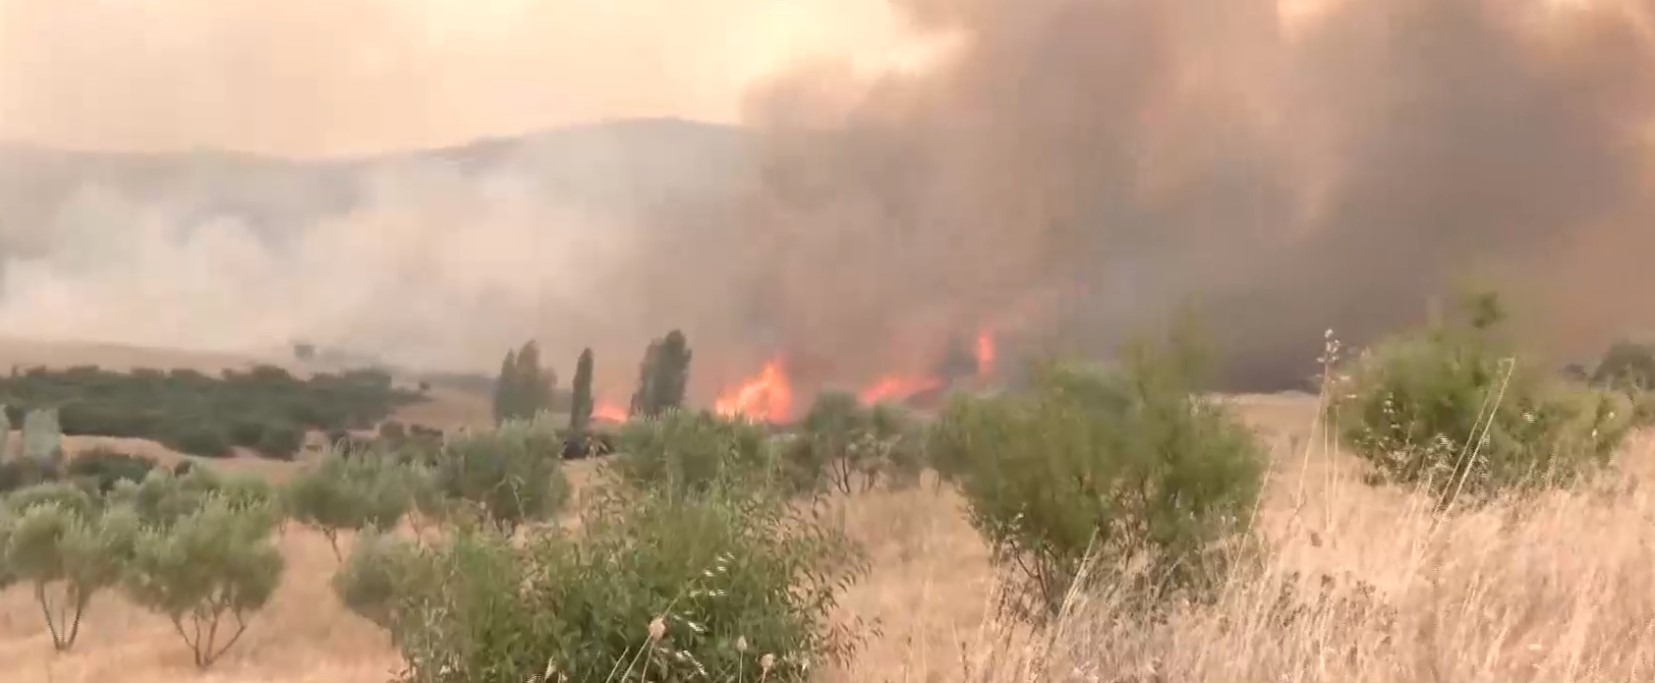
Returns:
(609,412)
(769,396)
(985,353)
(897,388)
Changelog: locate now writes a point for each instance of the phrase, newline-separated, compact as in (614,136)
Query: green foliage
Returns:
(381,577)
(850,446)
(5,435)
(1630,368)
(662,376)
(511,475)
(212,566)
(655,586)
(349,494)
(21,473)
(581,405)
(67,548)
(202,415)
(163,497)
(106,467)
(1120,469)
(690,452)
(205,440)
(1453,409)
(523,389)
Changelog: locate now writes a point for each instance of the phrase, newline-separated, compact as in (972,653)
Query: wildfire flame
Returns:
(897,388)
(608,412)
(985,353)
(769,396)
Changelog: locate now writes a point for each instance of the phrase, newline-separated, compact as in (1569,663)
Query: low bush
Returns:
(510,475)
(196,439)
(1454,410)
(728,584)
(68,548)
(349,494)
(849,446)
(1126,469)
(106,467)
(208,572)
(688,452)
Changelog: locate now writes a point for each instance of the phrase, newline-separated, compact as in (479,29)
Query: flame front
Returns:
(897,388)
(985,353)
(769,396)
(609,411)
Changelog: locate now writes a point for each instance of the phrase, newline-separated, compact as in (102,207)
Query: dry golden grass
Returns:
(1560,589)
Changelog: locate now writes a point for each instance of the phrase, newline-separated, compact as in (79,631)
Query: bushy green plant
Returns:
(68,548)
(688,452)
(512,474)
(383,577)
(849,446)
(163,497)
(212,566)
(105,467)
(1122,468)
(1453,409)
(349,494)
(729,584)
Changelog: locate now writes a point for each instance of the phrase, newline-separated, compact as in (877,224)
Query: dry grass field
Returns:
(1558,589)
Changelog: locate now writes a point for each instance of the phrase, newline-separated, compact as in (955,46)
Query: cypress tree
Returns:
(580,409)
(505,388)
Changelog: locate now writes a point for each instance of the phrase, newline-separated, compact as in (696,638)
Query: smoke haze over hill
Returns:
(1070,172)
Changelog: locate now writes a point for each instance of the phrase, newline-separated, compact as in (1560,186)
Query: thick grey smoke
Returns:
(1086,166)
(1072,173)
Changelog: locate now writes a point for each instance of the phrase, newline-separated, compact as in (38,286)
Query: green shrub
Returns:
(511,475)
(58,540)
(281,440)
(21,473)
(349,494)
(197,439)
(163,497)
(106,467)
(381,578)
(212,566)
(688,452)
(1119,468)
(654,586)
(1453,409)
(850,446)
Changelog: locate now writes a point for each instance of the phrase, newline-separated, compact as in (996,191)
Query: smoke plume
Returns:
(1064,173)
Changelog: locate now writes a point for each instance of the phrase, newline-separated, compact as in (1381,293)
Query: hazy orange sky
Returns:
(334,77)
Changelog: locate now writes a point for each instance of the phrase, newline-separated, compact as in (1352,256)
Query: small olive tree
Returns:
(68,548)
(348,494)
(1455,410)
(1105,466)
(213,566)
(853,447)
(728,583)
(512,475)
(690,451)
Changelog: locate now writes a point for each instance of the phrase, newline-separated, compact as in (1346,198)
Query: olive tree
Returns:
(512,474)
(67,548)
(1112,466)
(208,573)
(349,494)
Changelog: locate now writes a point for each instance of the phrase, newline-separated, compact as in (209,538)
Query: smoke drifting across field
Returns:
(1067,174)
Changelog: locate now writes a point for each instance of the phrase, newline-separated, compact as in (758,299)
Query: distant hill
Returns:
(604,168)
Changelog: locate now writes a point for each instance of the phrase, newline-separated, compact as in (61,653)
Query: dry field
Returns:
(1558,590)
